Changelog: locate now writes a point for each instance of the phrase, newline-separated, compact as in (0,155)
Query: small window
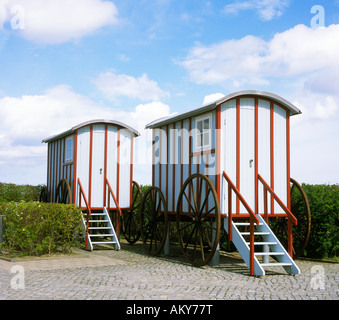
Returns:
(69,150)
(203,126)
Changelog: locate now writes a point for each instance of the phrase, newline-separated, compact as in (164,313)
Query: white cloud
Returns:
(212,97)
(267,9)
(26,120)
(114,86)
(297,52)
(58,21)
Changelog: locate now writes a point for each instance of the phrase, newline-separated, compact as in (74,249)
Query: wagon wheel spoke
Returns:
(208,212)
(131,218)
(205,200)
(153,220)
(64,193)
(197,238)
(189,203)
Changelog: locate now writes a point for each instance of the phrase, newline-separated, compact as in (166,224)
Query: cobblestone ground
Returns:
(131,274)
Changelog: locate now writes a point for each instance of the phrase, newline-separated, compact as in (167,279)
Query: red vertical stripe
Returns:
(75,157)
(53,174)
(105,164)
(218,151)
(238,154)
(272,153)
(167,159)
(118,167)
(189,157)
(131,171)
(256,155)
(160,160)
(173,172)
(90,166)
(48,168)
(181,152)
(153,155)
(288,158)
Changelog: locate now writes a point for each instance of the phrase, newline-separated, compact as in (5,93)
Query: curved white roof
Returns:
(210,106)
(98,121)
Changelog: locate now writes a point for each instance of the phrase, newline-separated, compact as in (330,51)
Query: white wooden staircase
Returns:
(247,243)
(100,228)
(269,246)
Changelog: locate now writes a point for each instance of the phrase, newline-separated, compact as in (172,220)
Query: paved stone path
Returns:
(131,274)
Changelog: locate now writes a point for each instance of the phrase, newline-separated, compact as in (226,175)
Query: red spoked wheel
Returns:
(131,218)
(300,208)
(154,220)
(198,219)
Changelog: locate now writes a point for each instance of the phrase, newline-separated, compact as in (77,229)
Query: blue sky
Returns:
(67,61)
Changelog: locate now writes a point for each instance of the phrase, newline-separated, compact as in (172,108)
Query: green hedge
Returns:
(13,192)
(34,228)
(324,236)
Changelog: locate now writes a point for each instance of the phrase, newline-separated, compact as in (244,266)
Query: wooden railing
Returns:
(291,217)
(110,191)
(82,194)
(253,217)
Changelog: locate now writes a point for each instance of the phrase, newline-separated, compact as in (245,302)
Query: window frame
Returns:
(202,134)
(69,159)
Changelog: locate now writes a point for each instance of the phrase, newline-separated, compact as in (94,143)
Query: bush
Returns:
(324,236)
(35,228)
(12,192)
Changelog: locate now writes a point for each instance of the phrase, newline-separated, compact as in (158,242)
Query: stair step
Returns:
(268,253)
(103,242)
(245,224)
(98,228)
(97,220)
(255,233)
(101,235)
(95,214)
(262,243)
(276,264)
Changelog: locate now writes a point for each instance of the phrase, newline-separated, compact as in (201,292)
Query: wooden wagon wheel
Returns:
(63,193)
(44,195)
(301,210)
(131,217)
(198,219)
(154,220)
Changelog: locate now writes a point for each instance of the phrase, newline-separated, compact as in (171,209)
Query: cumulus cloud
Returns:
(266,9)
(114,86)
(26,120)
(296,52)
(57,21)
(212,98)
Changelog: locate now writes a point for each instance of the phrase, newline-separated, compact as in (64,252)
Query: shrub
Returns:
(12,192)
(324,236)
(35,228)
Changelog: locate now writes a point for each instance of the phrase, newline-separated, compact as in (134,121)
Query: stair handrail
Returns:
(266,188)
(89,212)
(291,218)
(253,217)
(110,191)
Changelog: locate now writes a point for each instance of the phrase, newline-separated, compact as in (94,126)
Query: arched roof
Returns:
(90,122)
(211,106)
